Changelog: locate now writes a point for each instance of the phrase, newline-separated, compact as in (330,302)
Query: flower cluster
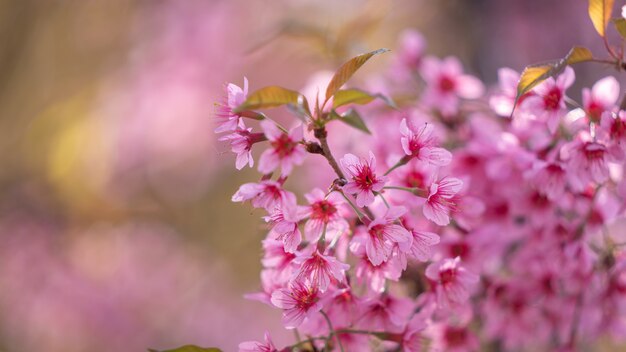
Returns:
(474,220)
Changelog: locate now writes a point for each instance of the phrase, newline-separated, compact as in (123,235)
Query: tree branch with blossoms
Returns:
(504,232)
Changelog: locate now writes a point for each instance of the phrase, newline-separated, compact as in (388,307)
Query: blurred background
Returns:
(116,226)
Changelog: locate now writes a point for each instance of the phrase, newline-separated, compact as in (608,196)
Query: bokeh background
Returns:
(116,228)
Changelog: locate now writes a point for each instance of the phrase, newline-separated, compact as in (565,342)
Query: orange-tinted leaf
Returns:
(190,348)
(273,96)
(578,54)
(620,26)
(600,14)
(356,96)
(346,71)
(532,76)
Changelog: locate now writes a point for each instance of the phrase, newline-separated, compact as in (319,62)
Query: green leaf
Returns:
(346,71)
(600,14)
(620,26)
(189,348)
(352,118)
(357,96)
(273,96)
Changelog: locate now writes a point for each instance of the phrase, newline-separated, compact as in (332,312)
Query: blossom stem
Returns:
(321,134)
(356,210)
(384,200)
(405,159)
(414,190)
(332,332)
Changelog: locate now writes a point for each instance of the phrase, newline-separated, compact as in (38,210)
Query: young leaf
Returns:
(346,71)
(620,25)
(532,76)
(189,348)
(352,118)
(600,14)
(357,96)
(273,96)
(535,74)
(578,54)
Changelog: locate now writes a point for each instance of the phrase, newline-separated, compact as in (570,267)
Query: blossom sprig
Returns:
(465,220)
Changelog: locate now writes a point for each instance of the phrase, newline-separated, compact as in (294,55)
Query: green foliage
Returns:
(352,118)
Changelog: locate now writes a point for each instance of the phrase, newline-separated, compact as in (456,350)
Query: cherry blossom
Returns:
(235,96)
(363,179)
(420,143)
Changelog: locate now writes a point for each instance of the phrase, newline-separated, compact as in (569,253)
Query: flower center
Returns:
(455,336)
(595,111)
(552,100)
(618,129)
(446,84)
(365,178)
(283,146)
(459,249)
(593,151)
(414,179)
(447,276)
(323,210)
(377,231)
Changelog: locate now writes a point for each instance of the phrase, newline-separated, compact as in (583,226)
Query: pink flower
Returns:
(549,179)
(504,101)
(241,141)
(275,257)
(235,96)
(587,161)
(386,313)
(420,143)
(285,150)
(255,346)
(601,97)
(549,104)
(452,281)
(298,302)
(384,234)
(614,132)
(324,212)
(447,83)
(412,45)
(440,200)
(318,270)
(284,222)
(363,180)
(375,276)
(422,241)
(265,194)
(414,339)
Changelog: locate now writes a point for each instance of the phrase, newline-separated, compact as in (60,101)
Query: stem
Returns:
(413,190)
(405,159)
(320,134)
(332,332)
(354,207)
(384,200)
(304,342)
